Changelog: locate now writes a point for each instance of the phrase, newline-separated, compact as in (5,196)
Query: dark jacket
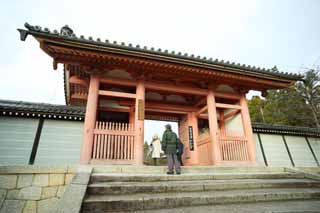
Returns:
(169,143)
(180,147)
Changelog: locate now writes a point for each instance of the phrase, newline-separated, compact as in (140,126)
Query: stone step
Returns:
(185,169)
(296,206)
(117,188)
(122,177)
(145,201)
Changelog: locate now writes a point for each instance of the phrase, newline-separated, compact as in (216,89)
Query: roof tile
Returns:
(164,52)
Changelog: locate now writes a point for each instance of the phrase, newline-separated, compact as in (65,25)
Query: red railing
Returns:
(113,141)
(233,148)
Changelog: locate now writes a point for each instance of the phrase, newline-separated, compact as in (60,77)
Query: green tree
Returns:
(256,105)
(286,107)
(296,106)
(309,91)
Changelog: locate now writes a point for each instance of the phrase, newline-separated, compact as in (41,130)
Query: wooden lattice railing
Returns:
(113,141)
(233,148)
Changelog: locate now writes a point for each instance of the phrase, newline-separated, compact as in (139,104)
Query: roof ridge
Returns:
(67,33)
(36,103)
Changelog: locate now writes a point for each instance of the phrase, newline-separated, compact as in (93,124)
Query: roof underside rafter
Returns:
(68,39)
(87,56)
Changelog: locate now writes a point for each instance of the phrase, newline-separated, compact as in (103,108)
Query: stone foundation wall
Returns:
(33,189)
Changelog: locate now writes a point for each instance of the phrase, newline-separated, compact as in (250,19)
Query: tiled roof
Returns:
(51,111)
(67,34)
(288,130)
(29,109)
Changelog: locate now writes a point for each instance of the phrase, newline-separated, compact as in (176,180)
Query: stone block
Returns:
(68,178)
(81,178)
(56,179)
(13,194)
(41,180)
(47,205)
(30,207)
(12,206)
(72,198)
(61,190)
(3,193)
(32,169)
(48,192)
(30,193)
(72,169)
(8,181)
(24,180)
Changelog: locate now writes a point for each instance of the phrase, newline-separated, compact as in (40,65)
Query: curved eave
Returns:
(127,51)
(66,86)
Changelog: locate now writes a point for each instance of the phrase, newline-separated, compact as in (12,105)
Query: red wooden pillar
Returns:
(193,121)
(90,120)
(139,123)
(246,122)
(222,123)
(213,126)
(131,116)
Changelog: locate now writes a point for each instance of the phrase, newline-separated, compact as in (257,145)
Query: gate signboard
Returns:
(191,142)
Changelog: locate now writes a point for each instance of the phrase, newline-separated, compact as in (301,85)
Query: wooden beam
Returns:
(205,108)
(117,94)
(231,114)
(227,95)
(82,96)
(202,101)
(227,106)
(203,116)
(118,81)
(162,106)
(166,111)
(175,89)
(114,109)
(182,108)
(80,81)
(156,86)
(168,88)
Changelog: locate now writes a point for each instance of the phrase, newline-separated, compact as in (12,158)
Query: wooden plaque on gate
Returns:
(140,109)
(191,142)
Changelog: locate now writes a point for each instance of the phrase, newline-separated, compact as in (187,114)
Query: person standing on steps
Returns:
(180,151)
(156,151)
(169,145)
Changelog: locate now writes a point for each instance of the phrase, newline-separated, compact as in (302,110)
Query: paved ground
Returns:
(265,207)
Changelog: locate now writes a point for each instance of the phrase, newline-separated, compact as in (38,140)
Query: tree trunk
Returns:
(314,113)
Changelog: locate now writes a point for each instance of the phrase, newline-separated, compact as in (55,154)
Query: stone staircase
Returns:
(118,189)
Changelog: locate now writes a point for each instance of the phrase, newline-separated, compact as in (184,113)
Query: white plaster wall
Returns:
(315,144)
(275,150)
(300,151)
(60,142)
(234,125)
(16,139)
(259,156)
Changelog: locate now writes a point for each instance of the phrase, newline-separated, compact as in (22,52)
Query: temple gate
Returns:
(121,85)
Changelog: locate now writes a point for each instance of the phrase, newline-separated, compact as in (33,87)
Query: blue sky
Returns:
(285,33)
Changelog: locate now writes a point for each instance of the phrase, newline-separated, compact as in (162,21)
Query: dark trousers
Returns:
(173,162)
(154,161)
(180,158)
